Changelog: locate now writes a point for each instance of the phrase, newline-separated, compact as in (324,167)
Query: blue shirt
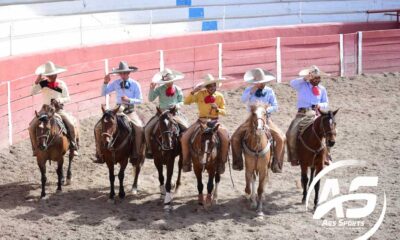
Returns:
(134,93)
(268,98)
(305,97)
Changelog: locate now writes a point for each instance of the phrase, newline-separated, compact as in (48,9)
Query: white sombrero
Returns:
(258,75)
(313,70)
(167,76)
(124,67)
(49,68)
(210,79)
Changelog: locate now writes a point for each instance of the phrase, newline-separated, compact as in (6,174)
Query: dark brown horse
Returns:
(312,151)
(116,145)
(205,152)
(257,152)
(52,145)
(166,147)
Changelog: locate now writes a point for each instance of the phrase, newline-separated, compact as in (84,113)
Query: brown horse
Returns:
(257,151)
(52,145)
(116,146)
(166,147)
(312,151)
(205,152)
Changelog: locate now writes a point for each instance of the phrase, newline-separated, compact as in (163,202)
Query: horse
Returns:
(204,149)
(116,146)
(312,151)
(257,152)
(166,147)
(53,143)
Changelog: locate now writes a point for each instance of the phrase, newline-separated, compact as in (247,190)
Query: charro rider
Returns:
(128,94)
(311,97)
(169,95)
(211,105)
(258,92)
(54,92)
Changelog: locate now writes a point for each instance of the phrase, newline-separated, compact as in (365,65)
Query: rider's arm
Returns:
(324,100)
(108,88)
(191,98)
(65,94)
(273,103)
(137,95)
(297,83)
(246,95)
(154,93)
(221,106)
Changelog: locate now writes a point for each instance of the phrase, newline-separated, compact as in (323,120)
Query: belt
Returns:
(303,110)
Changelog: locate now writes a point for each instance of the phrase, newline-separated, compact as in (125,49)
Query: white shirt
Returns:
(59,93)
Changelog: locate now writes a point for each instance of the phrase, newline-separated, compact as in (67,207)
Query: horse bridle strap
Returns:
(48,136)
(315,151)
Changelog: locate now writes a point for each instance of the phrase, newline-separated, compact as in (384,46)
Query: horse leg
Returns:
(112,179)
(42,167)
(69,173)
(316,188)
(159,167)
(304,181)
(121,175)
(210,187)
(136,171)
(60,173)
(215,194)
(260,191)
(311,176)
(178,180)
(200,186)
(249,177)
(168,194)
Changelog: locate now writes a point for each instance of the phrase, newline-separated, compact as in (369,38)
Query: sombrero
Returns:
(313,70)
(258,75)
(210,79)
(167,76)
(49,68)
(124,67)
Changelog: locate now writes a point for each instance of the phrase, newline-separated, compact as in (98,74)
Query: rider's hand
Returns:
(38,79)
(214,106)
(107,79)
(125,99)
(153,85)
(196,89)
(54,101)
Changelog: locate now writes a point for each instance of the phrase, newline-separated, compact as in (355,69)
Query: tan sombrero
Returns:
(124,67)
(313,70)
(49,68)
(258,75)
(167,76)
(210,79)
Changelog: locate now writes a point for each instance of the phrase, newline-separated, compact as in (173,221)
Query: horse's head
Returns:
(208,139)
(43,130)
(328,125)
(168,128)
(109,126)
(258,117)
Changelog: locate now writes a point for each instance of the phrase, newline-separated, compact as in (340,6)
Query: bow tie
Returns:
(315,90)
(170,91)
(260,93)
(209,99)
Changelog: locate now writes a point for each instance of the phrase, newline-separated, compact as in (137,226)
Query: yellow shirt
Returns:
(205,110)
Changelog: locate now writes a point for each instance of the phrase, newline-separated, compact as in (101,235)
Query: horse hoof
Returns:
(58,191)
(111,200)
(303,201)
(134,191)
(43,197)
(260,213)
(253,205)
(247,196)
(68,182)
(167,207)
(121,195)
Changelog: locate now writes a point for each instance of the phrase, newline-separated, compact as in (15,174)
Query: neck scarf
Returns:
(260,93)
(170,91)
(315,90)
(209,99)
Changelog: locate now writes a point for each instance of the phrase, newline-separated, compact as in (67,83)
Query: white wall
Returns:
(30,26)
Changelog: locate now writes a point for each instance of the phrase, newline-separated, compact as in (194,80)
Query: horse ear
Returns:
(253,107)
(116,109)
(102,108)
(159,112)
(173,110)
(37,115)
(337,110)
(216,127)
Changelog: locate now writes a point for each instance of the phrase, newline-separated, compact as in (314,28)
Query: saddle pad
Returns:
(305,122)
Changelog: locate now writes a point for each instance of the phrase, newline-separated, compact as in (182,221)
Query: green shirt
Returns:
(166,102)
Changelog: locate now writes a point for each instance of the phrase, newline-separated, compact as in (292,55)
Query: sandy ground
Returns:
(367,130)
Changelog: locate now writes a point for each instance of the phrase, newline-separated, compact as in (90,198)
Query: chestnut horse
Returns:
(312,151)
(52,145)
(166,146)
(204,149)
(257,152)
(116,146)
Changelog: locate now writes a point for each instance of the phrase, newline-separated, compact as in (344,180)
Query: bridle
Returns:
(49,138)
(169,134)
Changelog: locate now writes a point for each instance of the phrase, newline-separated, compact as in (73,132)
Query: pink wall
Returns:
(195,55)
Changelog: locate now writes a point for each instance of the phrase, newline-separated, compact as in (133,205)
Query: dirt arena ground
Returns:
(368,130)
